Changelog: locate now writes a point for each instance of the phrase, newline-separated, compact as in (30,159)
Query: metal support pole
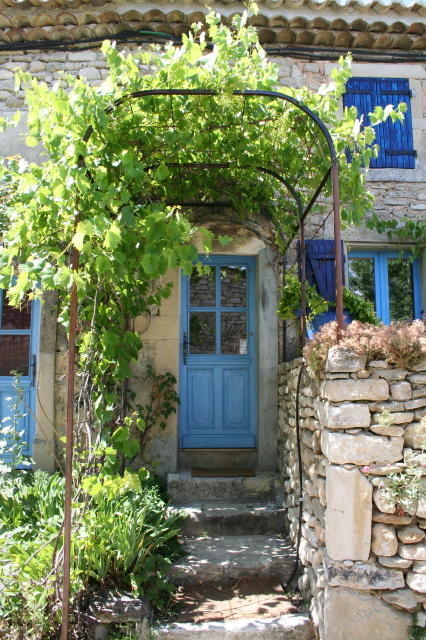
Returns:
(302,283)
(337,247)
(69,445)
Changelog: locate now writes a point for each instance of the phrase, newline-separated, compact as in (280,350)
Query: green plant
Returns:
(123,632)
(416,632)
(130,436)
(291,299)
(359,308)
(123,538)
(290,302)
(385,418)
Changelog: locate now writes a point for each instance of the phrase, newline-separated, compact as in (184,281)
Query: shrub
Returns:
(123,538)
(401,343)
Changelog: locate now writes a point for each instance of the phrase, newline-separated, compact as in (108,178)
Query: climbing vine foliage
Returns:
(111,177)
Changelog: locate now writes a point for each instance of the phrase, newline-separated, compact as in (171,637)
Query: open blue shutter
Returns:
(320,267)
(395,139)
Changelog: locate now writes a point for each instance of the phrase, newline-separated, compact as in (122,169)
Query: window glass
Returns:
(12,318)
(401,299)
(202,289)
(14,355)
(233,333)
(202,332)
(233,286)
(361,278)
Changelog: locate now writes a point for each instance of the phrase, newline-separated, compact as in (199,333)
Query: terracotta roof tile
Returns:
(67,20)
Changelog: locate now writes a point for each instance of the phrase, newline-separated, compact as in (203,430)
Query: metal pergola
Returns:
(332,173)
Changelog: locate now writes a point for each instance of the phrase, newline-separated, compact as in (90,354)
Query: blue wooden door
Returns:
(218,363)
(19,333)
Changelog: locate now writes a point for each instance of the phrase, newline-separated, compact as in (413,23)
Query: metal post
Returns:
(302,283)
(337,247)
(69,444)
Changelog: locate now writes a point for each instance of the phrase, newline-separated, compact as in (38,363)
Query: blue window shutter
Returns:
(395,139)
(320,267)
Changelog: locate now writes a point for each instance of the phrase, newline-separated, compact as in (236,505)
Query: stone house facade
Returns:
(304,39)
(388,43)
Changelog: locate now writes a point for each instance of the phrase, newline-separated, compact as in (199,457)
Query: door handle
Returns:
(185,348)
(33,370)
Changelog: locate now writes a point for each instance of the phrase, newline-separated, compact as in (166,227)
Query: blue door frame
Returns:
(218,391)
(26,424)
(381,280)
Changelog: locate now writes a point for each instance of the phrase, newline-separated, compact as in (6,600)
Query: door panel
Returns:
(19,334)
(218,366)
(200,395)
(236,384)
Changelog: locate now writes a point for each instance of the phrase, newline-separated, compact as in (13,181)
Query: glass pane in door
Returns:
(401,299)
(233,333)
(202,332)
(13,318)
(233,286)
(14,354)
(202,289)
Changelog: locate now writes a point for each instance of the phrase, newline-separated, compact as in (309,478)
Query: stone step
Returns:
(289,627)
(226,518)
(184,489)
(222,559)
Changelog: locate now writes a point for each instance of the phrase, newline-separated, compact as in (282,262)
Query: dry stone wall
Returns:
(363,493)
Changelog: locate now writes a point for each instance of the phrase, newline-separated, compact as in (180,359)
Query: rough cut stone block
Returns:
(418,403)
(383,501)
(392,374)
(362,449)
(384,540)
(383,430)
(401,390)
(349,415)
(411,534)
(412,551)
(388,518)
(119,608)
(418,378)
(362,575)
(391,406)
(382,469)
(415,435)
(340,390)
(395,563)
(401,598)
(351,615)
(421,366)
(417,581)
(421,507)
(348,514)
(399,417)
(419,567)
(341,360)
(420,392)
(378,364)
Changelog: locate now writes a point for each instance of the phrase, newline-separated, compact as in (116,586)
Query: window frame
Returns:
(381,279)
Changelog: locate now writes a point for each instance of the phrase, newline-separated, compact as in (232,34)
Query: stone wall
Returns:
(363,549)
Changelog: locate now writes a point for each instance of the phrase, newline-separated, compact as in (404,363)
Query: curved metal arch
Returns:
(228,165)
(334,169)
(210,92)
